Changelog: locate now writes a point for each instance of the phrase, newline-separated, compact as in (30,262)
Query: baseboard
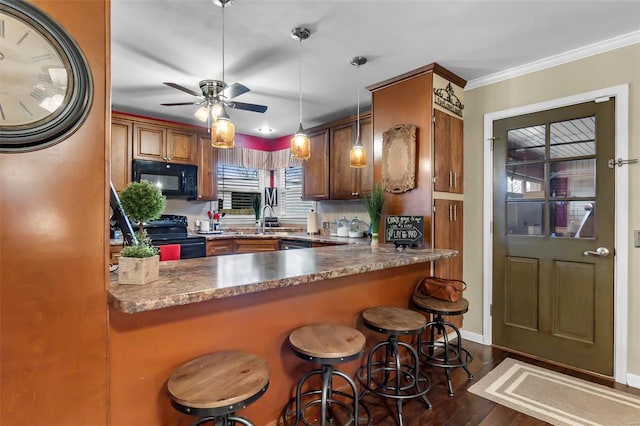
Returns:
(472,337)
(633,380)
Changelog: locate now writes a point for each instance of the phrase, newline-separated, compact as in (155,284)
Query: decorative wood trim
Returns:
(433,68)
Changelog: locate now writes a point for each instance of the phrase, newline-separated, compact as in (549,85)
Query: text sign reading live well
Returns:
(404,229)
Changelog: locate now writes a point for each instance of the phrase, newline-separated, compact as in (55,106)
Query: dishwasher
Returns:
(294,244)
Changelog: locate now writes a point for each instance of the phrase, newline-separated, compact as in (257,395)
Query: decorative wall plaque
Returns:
(399,158)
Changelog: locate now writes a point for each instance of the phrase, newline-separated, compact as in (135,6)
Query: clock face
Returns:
(45,82)
(36,77)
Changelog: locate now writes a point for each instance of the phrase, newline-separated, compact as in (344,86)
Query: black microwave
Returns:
(174,180)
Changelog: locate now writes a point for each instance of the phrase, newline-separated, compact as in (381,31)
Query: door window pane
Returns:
(574,178)
(525,218)
(525,181)
(573,138)
(526,144)
(572,219)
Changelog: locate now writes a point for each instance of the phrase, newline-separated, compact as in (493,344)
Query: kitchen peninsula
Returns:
(246,302)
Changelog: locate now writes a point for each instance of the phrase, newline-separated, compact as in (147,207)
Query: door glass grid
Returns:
(550,179)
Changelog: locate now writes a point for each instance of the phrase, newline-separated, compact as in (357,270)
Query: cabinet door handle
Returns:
(450,212)
(355,194)
(450,178)
(455,213)
(455,179)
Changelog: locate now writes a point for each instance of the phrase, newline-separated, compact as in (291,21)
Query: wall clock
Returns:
(45,81)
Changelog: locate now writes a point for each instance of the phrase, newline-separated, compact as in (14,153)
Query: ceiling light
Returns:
(358,154)
(265,130)
(223,131)
(300,144)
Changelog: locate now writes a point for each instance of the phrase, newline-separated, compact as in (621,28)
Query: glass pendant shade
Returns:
(300,145)
(358,156)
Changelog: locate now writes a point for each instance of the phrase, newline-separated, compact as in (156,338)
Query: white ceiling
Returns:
(179,41)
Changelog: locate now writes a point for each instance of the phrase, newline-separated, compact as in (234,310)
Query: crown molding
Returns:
(559,59)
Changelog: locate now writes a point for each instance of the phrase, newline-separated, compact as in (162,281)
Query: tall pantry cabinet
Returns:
(430,98)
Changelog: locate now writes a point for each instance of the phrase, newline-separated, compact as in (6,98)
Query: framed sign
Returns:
(404,230)
(399,158)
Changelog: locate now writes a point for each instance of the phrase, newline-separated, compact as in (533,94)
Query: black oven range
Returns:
(172,229)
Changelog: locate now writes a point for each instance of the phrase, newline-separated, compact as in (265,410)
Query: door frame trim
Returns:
(620,280)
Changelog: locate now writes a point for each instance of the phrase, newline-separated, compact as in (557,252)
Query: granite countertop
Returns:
(189,281)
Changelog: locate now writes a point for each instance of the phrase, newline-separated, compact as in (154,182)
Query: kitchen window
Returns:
(237,186)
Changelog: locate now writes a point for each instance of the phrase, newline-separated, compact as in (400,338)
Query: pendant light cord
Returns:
(358,106)
(300,86)
(223,6)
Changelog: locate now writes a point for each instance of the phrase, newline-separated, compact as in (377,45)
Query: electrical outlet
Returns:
(326,225)
(636,238)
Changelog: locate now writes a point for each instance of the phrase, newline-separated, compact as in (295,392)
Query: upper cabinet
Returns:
(327,174)
(315,171)
(162,143)
(447,153)
(121,141)
(135,137)
(207,170)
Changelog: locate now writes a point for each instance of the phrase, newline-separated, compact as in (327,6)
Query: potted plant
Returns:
(374,204)
(139,263)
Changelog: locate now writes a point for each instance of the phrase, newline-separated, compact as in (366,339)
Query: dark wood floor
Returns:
(465,408)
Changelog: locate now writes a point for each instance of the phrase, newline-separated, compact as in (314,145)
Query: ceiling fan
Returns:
(216,92)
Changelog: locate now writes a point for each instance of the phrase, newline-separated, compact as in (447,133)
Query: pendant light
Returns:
(300,143)
(358,154)
(223,131)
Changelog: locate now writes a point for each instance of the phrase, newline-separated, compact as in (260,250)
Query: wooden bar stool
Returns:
(215,386)
(443,353)
(394,376)
(327,345)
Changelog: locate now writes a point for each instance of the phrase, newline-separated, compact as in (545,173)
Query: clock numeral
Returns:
(38,94)
(2,113)
(45,78)
(2,28)
(44,57)
(25,108)
(21,39)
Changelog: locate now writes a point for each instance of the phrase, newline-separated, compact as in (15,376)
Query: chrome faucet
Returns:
(264,218)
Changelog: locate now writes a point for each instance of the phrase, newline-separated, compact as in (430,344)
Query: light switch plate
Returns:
(636,238)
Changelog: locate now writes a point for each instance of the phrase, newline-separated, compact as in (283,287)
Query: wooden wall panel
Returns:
(407,102)
(53,317)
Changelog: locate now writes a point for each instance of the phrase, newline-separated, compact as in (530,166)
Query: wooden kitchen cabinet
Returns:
(327,175)
(207,170)
(220,247)
(345,182)
(121,150)
(447,153)
(315,171)
(255,246)
(447,234)
(162,143)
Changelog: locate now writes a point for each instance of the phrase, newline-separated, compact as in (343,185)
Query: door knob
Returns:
(600,251)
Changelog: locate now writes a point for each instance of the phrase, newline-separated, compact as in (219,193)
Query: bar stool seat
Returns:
(214,386)
(394,377)
(443,353)
(327,345)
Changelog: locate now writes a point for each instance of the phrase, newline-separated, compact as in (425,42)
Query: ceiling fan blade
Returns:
(184,89)
(247,107)
(236,89)
(180,103)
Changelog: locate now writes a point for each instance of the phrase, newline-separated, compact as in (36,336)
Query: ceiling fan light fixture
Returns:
(358,153)
(300,143)
(223,131)
(202,113)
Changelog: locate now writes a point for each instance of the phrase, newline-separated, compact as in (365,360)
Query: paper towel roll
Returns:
(312,223)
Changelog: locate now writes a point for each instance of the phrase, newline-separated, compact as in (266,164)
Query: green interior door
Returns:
(553,224)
